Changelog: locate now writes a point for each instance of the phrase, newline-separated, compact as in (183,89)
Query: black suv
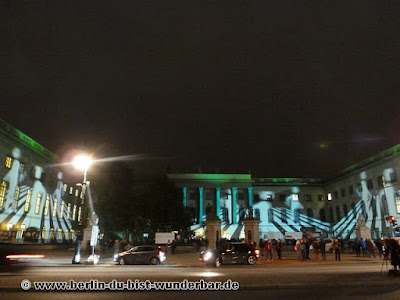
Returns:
(230,253)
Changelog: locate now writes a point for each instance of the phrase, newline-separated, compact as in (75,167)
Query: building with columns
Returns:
(35,204)
(330,206)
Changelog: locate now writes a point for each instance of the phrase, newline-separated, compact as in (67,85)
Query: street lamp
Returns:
(83,162)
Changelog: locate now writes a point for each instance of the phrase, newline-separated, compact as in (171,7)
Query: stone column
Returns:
(200,221)
(234,213)
(184,191)
(252,229)
(217,202)
(213,232)
(250,195)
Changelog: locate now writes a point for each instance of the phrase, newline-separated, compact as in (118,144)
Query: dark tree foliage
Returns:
(115,197)
(161,203)
(124,205)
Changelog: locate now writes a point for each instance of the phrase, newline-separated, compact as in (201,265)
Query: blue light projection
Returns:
(33,206)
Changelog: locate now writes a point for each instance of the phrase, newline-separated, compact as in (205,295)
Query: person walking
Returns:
(316,249)
(370,247)
(322,248)
(363,245)
(297,248)
(337,248)
(278,248)
(268,249)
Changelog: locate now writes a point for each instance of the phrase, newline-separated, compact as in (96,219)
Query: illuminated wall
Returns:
(330,206)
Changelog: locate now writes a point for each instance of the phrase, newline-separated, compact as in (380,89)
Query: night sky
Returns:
(277,88)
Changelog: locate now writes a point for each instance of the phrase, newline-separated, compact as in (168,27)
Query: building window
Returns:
(393,176)
(320,197)
(345,210)
(69,211)
(21,168)
(397,200)
(331,214)
(55,208)
(16,198)
(193,196)
(351,190)
(322,215)
(47,205)
(71,190)
(209,196)
(62,209)
(28,200)
(336,194)
(74,213)
(3,189)
(240,196)
(65,187)
(38,200)
(282,197)
(329,196)
(80,213)
(295,197)
(379,180)
(76,193)
(370,185)
(8,162)
(338,213)
(343,193)
(307,197)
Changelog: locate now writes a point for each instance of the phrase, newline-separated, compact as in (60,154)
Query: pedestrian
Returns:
(173,247)
(262,247)
(297,248)
(337,248)
(379,245)
(363,245)
(322,248)
(117,247)
(268,249)
(357,247)
(316,248)
(278,248)
(370,247)
(303,247)
(394,254)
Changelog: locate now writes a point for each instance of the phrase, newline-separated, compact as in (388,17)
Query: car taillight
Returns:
(257,252)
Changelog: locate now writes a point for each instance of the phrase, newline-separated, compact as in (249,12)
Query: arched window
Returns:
(270,215)
(310,214)
(331,214)
(257,213)
(296,216)
(345,210)
(338,213)
(322,215)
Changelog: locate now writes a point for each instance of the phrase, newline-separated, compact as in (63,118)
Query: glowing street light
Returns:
(82,162)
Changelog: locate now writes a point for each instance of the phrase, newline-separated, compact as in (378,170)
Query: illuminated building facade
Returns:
(35,204)
(330,205)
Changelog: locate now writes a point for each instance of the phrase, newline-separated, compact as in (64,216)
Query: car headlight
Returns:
(207,256)
(115,257)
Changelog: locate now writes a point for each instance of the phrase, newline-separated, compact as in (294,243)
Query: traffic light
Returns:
(393,220)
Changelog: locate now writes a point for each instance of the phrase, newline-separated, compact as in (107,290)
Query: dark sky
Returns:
(278,88)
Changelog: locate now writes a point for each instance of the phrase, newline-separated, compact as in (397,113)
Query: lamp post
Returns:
(83,162)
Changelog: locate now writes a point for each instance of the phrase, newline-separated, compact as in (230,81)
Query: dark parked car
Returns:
(141,255)
(230,253)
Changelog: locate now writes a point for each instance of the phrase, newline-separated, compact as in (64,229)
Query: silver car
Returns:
(141,255)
